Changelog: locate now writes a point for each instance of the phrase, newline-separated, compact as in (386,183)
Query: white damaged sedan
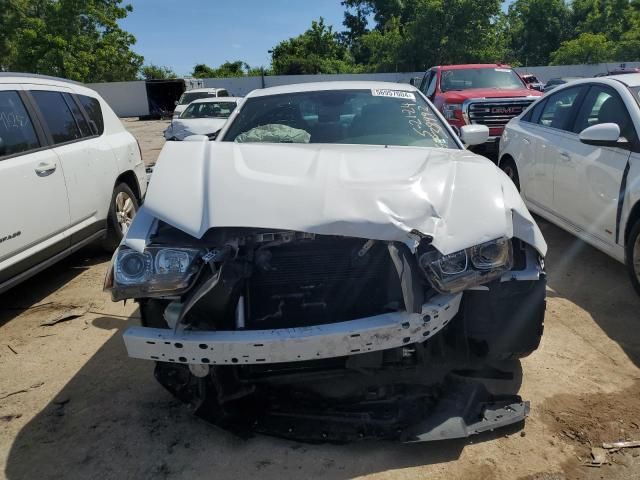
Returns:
(335,266)
(205,116)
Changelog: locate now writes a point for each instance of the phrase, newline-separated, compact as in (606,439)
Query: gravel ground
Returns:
(72,405)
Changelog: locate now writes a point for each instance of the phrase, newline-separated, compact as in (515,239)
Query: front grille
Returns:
(322,281)
(496,113)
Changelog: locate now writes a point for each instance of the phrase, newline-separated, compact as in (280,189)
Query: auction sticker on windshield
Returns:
(384,92)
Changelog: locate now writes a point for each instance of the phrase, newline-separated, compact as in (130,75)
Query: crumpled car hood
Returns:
(376,192)
(181,128)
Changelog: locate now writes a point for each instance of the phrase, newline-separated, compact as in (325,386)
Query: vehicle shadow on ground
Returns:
(32,291)
(113,420)
(596,283)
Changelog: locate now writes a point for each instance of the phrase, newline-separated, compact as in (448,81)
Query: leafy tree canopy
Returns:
(227,69)
(155,72)
(79,40)
(587,48)
(318,50)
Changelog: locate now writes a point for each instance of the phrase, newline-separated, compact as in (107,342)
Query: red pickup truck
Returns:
(486,94)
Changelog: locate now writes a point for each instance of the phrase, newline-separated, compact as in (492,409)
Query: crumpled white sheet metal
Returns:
(184,127)
(376,192)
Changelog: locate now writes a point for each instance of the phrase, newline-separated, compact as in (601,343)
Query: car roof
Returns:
(472,65)
(45,80)
(323,86)
(212,90)
(217,99)
(629,79)
(19,77)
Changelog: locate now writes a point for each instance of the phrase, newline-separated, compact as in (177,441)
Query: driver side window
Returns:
(604,105)
(431,89)
(558,109)
(425,82)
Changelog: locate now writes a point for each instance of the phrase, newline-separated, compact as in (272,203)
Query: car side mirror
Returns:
(474,134)
(176,103)
(602,135)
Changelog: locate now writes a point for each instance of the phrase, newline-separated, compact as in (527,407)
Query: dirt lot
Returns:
(72,405)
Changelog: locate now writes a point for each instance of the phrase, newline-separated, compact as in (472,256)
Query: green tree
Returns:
(203,71)
(227,69)
(416,34)
(318,50)
(155,72)
(384,49)
(79,40)
(618,20)
(587,48)
(535,29)
(610,17)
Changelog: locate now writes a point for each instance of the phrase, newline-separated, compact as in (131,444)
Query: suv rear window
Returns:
(57,116)
(80,120)
(17,134)
(94,111)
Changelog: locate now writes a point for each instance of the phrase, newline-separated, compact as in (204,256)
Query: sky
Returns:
(182,33)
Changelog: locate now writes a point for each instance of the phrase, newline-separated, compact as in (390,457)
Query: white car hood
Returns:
(376,192)
(183,127)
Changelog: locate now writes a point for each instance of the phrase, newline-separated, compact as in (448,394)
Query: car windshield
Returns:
(188,97)
(463,79)
(368,117)
(209,110)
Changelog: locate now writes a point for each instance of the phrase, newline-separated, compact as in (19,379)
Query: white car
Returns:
(575,156)
(69,173)
(321,268)
(194,94)
(205,116)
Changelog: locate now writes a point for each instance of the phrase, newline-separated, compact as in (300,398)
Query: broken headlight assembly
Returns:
(469,267)
(157,271)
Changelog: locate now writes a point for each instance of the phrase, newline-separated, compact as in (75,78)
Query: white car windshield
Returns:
(209,110)
(367,117)
(463,79)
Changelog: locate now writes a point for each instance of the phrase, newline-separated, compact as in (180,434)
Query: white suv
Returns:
(69,173)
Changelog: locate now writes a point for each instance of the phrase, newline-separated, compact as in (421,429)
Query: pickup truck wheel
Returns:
(122,209)
(633,256)
(508,166)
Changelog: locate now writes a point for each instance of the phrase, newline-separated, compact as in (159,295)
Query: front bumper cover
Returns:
(364,335)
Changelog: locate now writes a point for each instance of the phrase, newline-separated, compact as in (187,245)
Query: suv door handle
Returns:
(44,169)
(526,140)
(565,156)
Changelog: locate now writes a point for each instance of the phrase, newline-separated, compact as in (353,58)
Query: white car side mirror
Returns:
(474,134)
(602,135)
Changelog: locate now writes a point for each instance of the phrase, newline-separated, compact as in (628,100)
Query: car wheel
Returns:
(122,209)
(508,166)
(633,256)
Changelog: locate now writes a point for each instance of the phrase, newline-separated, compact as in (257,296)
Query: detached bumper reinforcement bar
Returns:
(380,332)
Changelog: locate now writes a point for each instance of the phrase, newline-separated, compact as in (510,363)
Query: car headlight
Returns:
(452,111)
(469,267)
(157,271)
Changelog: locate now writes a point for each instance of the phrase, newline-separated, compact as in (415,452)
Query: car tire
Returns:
(508,166)
(122,209)
(633,255)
